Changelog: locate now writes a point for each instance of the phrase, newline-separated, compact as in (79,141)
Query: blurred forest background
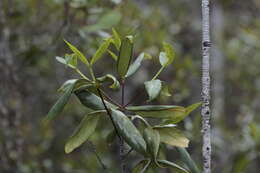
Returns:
(32,33)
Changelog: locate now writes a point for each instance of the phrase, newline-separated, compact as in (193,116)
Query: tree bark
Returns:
(205,111)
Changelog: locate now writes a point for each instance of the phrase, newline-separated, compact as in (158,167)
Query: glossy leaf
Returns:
(128,131)
(116,39)
(78,53)
(159,111)
(114,84)
(91,100)
(125,56)
(176,167)
(82,133)
(185,157)
(135,66)
(152,139)
(153,88)
(113,55)
(163,59)
(101,50)
(60,104)
(173,136)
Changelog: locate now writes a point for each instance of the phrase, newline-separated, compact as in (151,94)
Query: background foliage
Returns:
(32,33)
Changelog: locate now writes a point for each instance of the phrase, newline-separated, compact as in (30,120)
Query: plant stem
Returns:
(81,74)
(121,143)
(110,99)
(157,74)
(108,112)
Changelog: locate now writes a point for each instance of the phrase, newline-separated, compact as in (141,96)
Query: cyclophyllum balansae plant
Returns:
(143,138)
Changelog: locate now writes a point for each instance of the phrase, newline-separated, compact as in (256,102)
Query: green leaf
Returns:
(78,83)
(111,137)
(101,50)
(59,105)
(165,90)
(116,39)
(86,127)
(135,66)
(78,53)
(152,139)
(173,165)
(113,55)
(153,88)
(91,100)
(173,136)
(167,57)
(185,157)
(106,21)
(142,166)
(125,56)
(114,84)
(192,107)
(159,111)
(128,131)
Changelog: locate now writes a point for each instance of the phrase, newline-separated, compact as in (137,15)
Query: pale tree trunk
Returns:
(205,111)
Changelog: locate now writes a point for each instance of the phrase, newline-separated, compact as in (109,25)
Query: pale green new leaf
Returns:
(176,167)
(84,130)
(173,136)
(135,66)
(163,59)
(125,56)
(169,56)
(114,83)
(113,55)
(116,39)
(78,53)
(101,50)
(128,131)
(153,88)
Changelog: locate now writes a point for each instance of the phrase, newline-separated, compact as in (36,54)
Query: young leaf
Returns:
(92,101)
(185,157)
(128,131)
(173,136)
(101,50)
(152,139)
(192,107)
(84,130)
(114,84)
(78,53)
(168,55)
(173,165)
(165,90)
(135,66)
(125,56)
(163,59)
(116,39)
(113,55)
(153,88)
(60,104)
